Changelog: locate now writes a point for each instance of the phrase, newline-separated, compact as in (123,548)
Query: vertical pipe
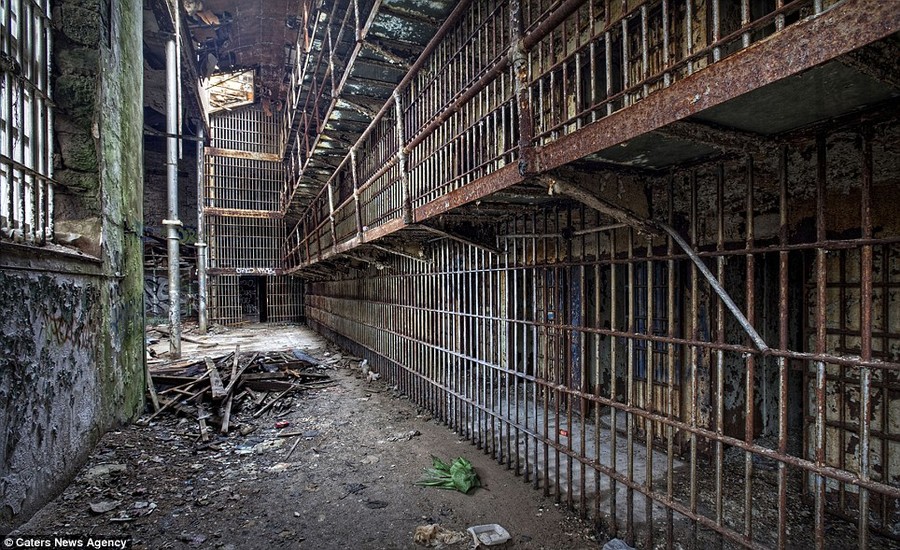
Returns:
(821,321)
(782,344)
(670,348)
(749,427)
(329,188)
(172,222)
(649,365)
(695,354)
(720,339)
(608,61)
(629,392)
(402,153)
(645,56)
(865,329)
(689,33)
(613,368)
(716,29)
(202,320)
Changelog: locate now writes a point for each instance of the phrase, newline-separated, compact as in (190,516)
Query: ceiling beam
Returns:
(460,239)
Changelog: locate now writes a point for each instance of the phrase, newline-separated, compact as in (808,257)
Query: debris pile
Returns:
(215,389)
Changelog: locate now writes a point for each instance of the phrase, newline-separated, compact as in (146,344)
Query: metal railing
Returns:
(504,79)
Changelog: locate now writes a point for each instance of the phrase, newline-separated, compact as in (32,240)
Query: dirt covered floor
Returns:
(346,480)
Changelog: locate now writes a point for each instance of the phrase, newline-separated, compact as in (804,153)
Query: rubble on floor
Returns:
(225,393)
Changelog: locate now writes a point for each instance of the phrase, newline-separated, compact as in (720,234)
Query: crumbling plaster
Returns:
(71,337)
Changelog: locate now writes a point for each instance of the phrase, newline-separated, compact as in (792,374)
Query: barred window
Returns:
(26,144)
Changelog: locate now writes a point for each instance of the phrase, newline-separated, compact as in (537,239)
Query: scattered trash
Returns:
(435,535)
(282,424)
(459,475)
(104,506)
(617,544)
(405,436)
(303,357)
(488,535)
(268,445)
(372,376)
(192,539)
(564,433)
(106,469)
(353,488)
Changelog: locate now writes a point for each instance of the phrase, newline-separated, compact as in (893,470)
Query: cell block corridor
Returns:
(598,360)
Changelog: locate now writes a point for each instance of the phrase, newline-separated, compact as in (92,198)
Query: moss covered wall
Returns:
(71,334)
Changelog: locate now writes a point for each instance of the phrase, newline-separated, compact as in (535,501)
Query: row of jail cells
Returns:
(602,366)
(242,221)
(462,116)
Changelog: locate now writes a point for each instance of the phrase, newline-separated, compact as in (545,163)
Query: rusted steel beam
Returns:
(724,139)
(383,230)
(482,187)
(350,244)
(454,237)
(844,28)
(399,253)
(556,186)
(880,61)
(242,213)
(519,61)
(651,227)
(547,25)
(376,47)
(236,154)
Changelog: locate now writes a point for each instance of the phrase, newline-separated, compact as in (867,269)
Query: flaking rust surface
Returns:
(349,483)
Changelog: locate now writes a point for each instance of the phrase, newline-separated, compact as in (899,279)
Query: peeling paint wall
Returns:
(71,337)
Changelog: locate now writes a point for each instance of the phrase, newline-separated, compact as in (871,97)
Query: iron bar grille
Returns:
(462,120)
(597,362)
(244,226)
(26,122)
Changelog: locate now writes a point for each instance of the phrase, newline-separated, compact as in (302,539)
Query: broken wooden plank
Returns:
(167,332)
(271,402)
(204,430)
(226,417)
(151,388)
(202,415)
(215,381)
(176,402)
(176,366)
(268,385)
(234,365)
(238,377)
(168,380)
(294,446)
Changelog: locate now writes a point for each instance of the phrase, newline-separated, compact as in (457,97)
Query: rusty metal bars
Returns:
(26,123)
(245,229)
(688,415)
(585,60)
(630,55)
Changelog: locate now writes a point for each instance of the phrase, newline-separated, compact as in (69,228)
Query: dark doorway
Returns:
(253,299)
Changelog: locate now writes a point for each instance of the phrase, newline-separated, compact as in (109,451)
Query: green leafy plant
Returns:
(459,475)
